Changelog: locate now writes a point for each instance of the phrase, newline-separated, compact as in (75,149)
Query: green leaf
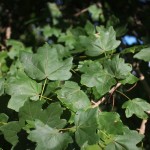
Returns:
(133,49)
(103,41)
(91,147)
(144,54)
(86,126)
(2,82)
(68,38)
(10,131)
(117,67)
(89,28)
(95,76)
(72,97)
(48,138)
(110,122)
(130,79)
(50,116)
(50,31)
(3,119)
(16,47)
(21,88)
(136,106)
(95,11)
(46,64)
(125,142)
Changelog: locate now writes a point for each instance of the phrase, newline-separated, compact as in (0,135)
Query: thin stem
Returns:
(46,97)
(43,88)
(123,94)
(104,134)
(66,129)
(3,123)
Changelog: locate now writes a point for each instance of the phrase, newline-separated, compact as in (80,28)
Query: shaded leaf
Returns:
(110,122)
(72,97)
(130,79)
(46,64)
(2,81)
(50,116)
(86,126)
(16,47)
(10,131)
(136,106)
(48,138)
(121,142)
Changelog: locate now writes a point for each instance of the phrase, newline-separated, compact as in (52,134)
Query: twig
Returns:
(131,87)
(142,127)
(147,89)
(143,80)
(80,12)
(113,89)
(8,33)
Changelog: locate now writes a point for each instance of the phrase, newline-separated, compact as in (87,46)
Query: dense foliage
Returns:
(68,80)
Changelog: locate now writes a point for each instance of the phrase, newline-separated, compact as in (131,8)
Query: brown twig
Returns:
(147,90)
(143,80)
(131,87)
(113,89)
(8,33)
(80,12)
(142,127)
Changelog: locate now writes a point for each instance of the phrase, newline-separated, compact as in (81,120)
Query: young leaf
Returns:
(21,88)
(127,141)
(117,67)
(2,81)
(48,138)
(144,54)
(104,40)
(46,64)
(3,119)
(50,116)
(136,106)
(86,125)
(73,98)
(10,131)
(95,76)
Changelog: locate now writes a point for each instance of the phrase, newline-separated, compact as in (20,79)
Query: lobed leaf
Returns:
(50,115)
(48,138)
(21,88)
(46,64)
(117,67)
(72,97)
(86,126)
(95,76)
(10,131)
(136,106)
(101,42)
(125,142)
